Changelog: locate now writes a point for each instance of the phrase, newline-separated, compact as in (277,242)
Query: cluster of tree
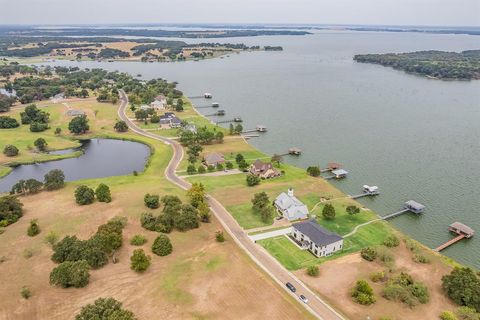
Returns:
(273,48)
(235,129)
(197,197)
(109,53)
(203,136)
(6,102)
(30,186)
(174,214)
(13,68)
(105,309)
(462,285)
(403,288)
(79,125)
(362,293)
(36,118)
(85,195)
(11,209)
(314,171)
(91,253)
(438,64)
(145,93)
(262,205)
(7,122)
(39,50)
(241,162)
(108,95)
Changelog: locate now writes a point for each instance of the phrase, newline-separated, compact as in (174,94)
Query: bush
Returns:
(420,258)
(58,131)
(103,193)
(151,201)
(313,271)
(79,125)
(462,285)
(121,126)
(403,288)
(229,165)
(252,180)
(41,144)
(10,150)
(353,210)
(328,212)
(105,309)
(154,118)
(51,238)
(25,292)
(391,241)
(84,195)
(138,240)
(378,276)
(210,168)
(70,274)
(11,209)
(448,315)
(191,169)
(139,261)
(33,228)
(385,256)
(162,245)
(314,171)
(219,236)
(362,293)
(369,253)
(38,127)
(466,313)
(8,123)
(201,169)
(54,179)
(187,218)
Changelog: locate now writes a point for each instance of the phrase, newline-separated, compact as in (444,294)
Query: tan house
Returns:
(263,170)
(213,159)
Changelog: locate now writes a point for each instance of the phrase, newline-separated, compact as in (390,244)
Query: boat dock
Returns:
(331,166)
(337,174)
(462,231)
(368,191)
(237,119)
(410,206)
(259,128)
(292,151)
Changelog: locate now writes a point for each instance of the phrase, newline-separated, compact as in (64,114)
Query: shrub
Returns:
(462,285)
(151,201)
(25,292)
(377,276)
(328,211)
(33,228)
(466,313)
(362,293)
(162,245)
(252,180)
(138,240)
(11,209)
(139,261)
(210,168)
(353,210)
(84,195)
(51,238)
(420,258)
(313,271)
(187,218)
(201,169)
(121,126)
(58,131)
(403,288)
(154,118)
(385,256)
(79,125)
(448,315)
(10,150)
(70,274)
(219,236)
(191,169)
(314,171)
(103,193)
(8,123)
(38,127)
(229,165)
(54,179)
(391,241)
(41,144)
(105,309)
(369,253)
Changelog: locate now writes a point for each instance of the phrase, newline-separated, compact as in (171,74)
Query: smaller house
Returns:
(263,170)
(290,207)
(213,159)
(314,238)
(340,173)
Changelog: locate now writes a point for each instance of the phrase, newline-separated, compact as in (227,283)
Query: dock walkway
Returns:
(388,216)
(449,243)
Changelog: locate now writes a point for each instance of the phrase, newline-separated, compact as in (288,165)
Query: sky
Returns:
(370,12)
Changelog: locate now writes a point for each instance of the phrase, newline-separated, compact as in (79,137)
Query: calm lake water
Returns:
(101,158)
(413,137)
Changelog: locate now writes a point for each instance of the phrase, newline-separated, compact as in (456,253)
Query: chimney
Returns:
(290,192)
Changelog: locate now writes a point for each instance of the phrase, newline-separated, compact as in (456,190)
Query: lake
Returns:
(100,158)
(414,137)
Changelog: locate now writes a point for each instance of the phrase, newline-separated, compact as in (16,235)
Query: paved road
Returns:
(258,254)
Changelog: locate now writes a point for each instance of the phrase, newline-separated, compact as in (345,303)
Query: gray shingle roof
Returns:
(316,233)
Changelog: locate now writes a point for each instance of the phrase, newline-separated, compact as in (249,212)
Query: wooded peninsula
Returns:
(433,64)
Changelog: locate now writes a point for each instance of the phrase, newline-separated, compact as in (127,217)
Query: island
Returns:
(443,65)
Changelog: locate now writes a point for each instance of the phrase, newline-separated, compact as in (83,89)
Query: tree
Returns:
(328,211)
(369,253)
(8,123)
(462,285)
(139,261)
(10,150)
(179,106)
(162,245)
(238,128)
(314,171)
(187,218)
(71,274)
(219,236)
(353,210)
(58,131)
(11,209)
(79,125)
(313,271)
(151,201)
(120,126)
(41,144)
(231,129)
(204,212)
(243,165)
(103,193)
(201,169)
(105,309)
(54,179)
(229,165)
(239,158)
(219,137)
(33,186)
(191,169)
(196,194)
(276,158)
(266,214)
(38,127)
(260,200)
(362,293)
(33,228)
(252,180)
(84,195)
(141,115)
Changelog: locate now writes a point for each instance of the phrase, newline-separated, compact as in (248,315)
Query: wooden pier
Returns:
(259,128)
(331,166)
(292,152)
(237,120)
(462,231)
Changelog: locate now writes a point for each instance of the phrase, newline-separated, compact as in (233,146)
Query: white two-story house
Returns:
(314,238)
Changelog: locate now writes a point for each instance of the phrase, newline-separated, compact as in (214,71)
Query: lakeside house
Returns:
(263,170)
(290,207)
(213,159)
(159,103)
(170,120)
(314,238)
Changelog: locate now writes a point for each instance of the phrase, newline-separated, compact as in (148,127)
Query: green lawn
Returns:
(246,217)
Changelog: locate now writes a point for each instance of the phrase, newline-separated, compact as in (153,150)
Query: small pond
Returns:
(100,158)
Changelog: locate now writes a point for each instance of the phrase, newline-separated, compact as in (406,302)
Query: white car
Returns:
(303,298)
